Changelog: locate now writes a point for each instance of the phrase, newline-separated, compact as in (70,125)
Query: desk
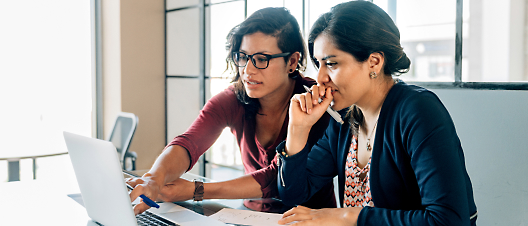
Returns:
(40,202)
(264,205)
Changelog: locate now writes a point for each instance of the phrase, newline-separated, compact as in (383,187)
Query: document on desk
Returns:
(246,217)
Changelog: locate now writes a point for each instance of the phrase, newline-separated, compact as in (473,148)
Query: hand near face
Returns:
(303,216)
(305,109)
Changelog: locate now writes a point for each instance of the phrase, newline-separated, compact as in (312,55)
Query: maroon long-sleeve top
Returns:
(224,110)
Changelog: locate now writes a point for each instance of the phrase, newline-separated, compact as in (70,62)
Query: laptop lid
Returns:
(100,180)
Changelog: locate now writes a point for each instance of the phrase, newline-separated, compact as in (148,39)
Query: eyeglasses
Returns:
(260,60)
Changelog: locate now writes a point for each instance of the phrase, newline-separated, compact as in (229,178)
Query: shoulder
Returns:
(226,99)
(406,98)
(414,110)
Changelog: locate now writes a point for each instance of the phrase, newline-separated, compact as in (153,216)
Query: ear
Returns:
(293,61)
(376,61)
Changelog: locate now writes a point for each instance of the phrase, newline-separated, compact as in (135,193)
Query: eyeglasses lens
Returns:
(260,61)
(240,59)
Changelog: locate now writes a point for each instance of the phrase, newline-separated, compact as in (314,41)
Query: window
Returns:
(224,156)
(491,53)
(46,88)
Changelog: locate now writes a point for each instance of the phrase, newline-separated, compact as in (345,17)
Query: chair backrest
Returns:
(122,133)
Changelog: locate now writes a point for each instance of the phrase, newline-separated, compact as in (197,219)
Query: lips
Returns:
(252,82)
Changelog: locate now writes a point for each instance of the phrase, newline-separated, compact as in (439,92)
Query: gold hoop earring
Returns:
(373,74)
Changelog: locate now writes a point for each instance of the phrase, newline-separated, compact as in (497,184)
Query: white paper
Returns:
(167,207)
(184,216)
(246,217)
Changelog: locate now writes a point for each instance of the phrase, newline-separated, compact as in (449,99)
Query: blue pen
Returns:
(146,200)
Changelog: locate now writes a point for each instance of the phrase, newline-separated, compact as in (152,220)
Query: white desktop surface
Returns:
(40,202)
(46,202)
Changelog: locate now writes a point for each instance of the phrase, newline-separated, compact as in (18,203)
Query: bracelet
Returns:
(198,190)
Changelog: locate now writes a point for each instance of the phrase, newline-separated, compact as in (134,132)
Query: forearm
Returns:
(241,188)
(297,139)
(170,165)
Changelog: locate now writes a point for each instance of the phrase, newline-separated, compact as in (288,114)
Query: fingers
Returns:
(140,208)
(305,101)
(308,103)
(299,99)
(299,213)
(141,186)
(328,97)
(138,190)
(318,92)
(133,181)
(315,94)
(298,209)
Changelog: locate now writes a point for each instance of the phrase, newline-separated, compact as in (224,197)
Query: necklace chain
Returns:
(369,146)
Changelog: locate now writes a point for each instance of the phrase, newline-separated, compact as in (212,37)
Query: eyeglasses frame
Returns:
(268,57)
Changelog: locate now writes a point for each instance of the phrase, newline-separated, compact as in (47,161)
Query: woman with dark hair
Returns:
(267,54)
(397,156)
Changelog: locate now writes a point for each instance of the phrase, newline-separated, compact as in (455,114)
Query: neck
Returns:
(371,106)
(276,102)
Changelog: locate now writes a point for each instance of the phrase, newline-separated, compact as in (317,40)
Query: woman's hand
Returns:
(303,216)
(145,185)
(177,190)
(305,111)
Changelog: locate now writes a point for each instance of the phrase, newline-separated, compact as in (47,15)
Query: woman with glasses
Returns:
(266,53)
(397,156)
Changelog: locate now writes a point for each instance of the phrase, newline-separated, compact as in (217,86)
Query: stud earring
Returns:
(373,74)
(291,70)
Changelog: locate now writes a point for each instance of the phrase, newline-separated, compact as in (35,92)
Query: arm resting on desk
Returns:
(240,188)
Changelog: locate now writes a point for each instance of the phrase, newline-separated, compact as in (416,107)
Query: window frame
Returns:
(392,4)
(458,83)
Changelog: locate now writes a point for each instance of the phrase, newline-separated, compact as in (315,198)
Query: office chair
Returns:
(121,136)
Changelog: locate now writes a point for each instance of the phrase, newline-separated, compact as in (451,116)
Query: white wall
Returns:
(493,128)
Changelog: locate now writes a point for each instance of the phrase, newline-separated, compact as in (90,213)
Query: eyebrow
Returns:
(245,52)
(327,57)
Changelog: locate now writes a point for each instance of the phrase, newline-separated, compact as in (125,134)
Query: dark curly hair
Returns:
(277,22)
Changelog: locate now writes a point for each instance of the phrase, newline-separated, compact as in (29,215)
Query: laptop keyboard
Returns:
(147,218)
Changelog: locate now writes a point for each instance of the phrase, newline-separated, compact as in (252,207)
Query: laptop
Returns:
(105,195)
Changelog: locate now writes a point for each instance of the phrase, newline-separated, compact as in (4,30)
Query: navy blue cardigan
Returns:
(417,175)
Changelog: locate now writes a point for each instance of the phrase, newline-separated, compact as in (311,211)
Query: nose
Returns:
(250,68)
(322,77)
